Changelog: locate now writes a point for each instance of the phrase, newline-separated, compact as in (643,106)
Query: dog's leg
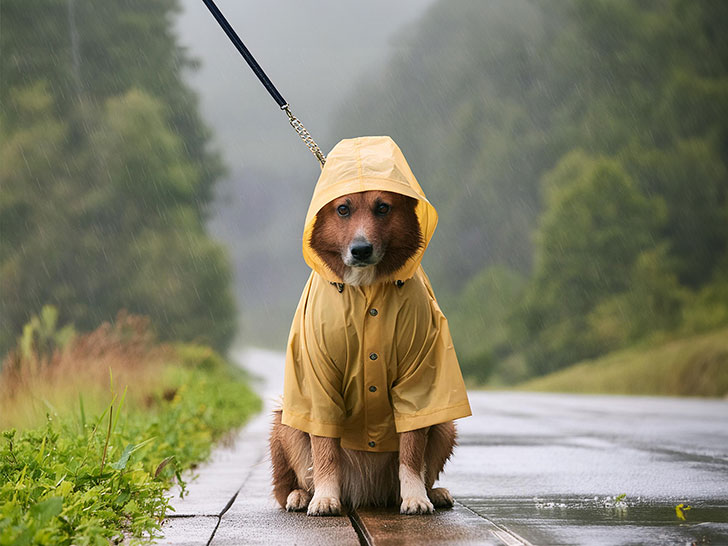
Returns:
(284,477)
(286,444)
(326,477)
(440,444)
(412,473)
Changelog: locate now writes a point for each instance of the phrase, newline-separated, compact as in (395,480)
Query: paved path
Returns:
(530,469)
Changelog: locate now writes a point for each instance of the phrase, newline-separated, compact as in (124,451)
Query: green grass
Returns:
(93,479)
(691,366)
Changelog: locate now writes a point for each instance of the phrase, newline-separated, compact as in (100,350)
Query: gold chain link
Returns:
(305,135)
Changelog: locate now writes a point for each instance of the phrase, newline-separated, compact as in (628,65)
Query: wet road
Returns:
(530,469)
(570,469)
(549,467)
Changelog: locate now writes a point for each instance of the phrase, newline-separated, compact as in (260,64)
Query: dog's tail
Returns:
(284,478)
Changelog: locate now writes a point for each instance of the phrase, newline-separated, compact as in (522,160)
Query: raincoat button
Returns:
(373,356)
(372,389)
(372,444)
(373,312)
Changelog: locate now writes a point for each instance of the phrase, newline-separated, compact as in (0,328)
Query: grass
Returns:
(691,366)
(102,428)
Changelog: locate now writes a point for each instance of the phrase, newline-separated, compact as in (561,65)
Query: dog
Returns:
(372,384)
(362,237)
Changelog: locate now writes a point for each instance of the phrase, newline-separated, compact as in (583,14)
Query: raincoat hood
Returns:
(364,164)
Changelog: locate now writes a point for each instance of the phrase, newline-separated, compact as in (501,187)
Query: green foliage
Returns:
(480,324)
(193,355)
(41,335)
(686,366)
(595,226)
(78,482)
(691,179)
(105,173)
(146,186)
(708,308)
(653,301)
(601,126)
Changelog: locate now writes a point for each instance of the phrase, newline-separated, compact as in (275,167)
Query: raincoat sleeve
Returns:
(312,400)
(429,388)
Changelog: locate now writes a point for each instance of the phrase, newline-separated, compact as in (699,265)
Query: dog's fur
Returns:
(315,473)
(394,236)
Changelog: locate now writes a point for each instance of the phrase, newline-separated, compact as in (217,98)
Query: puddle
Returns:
(606,520)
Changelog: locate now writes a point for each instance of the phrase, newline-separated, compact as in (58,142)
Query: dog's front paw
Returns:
(324,506)
(416,505)
(441,498)
(297,500)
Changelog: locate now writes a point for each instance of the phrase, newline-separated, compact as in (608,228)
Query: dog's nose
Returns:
(361,251)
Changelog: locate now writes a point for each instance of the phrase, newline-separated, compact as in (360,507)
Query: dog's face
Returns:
(367,235)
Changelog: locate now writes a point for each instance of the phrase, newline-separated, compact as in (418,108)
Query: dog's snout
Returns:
(361,251)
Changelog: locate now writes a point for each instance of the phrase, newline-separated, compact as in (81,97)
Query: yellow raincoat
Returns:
(371,361)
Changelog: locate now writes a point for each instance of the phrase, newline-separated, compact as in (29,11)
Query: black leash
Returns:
(255,67)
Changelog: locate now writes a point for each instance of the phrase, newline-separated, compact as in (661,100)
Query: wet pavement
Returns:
(573,469)
(530,469)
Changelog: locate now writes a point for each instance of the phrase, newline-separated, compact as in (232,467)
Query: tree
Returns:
(653,301)
(479,320)
(595,226)
(106,175)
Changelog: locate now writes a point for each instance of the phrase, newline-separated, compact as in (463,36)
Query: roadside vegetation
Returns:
(691,366)
(96,427)
(577,152)
(106,179)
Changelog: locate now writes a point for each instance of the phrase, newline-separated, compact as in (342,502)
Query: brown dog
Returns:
(362,237)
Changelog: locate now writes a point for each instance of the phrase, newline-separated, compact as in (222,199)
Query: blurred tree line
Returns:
(577,152)
(105,173)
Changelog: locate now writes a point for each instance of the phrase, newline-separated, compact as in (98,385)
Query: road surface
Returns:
(529,469)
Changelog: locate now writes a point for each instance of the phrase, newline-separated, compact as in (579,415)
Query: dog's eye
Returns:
(343,210)
(382,209)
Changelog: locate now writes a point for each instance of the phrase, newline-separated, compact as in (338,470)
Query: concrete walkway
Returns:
(530,469)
